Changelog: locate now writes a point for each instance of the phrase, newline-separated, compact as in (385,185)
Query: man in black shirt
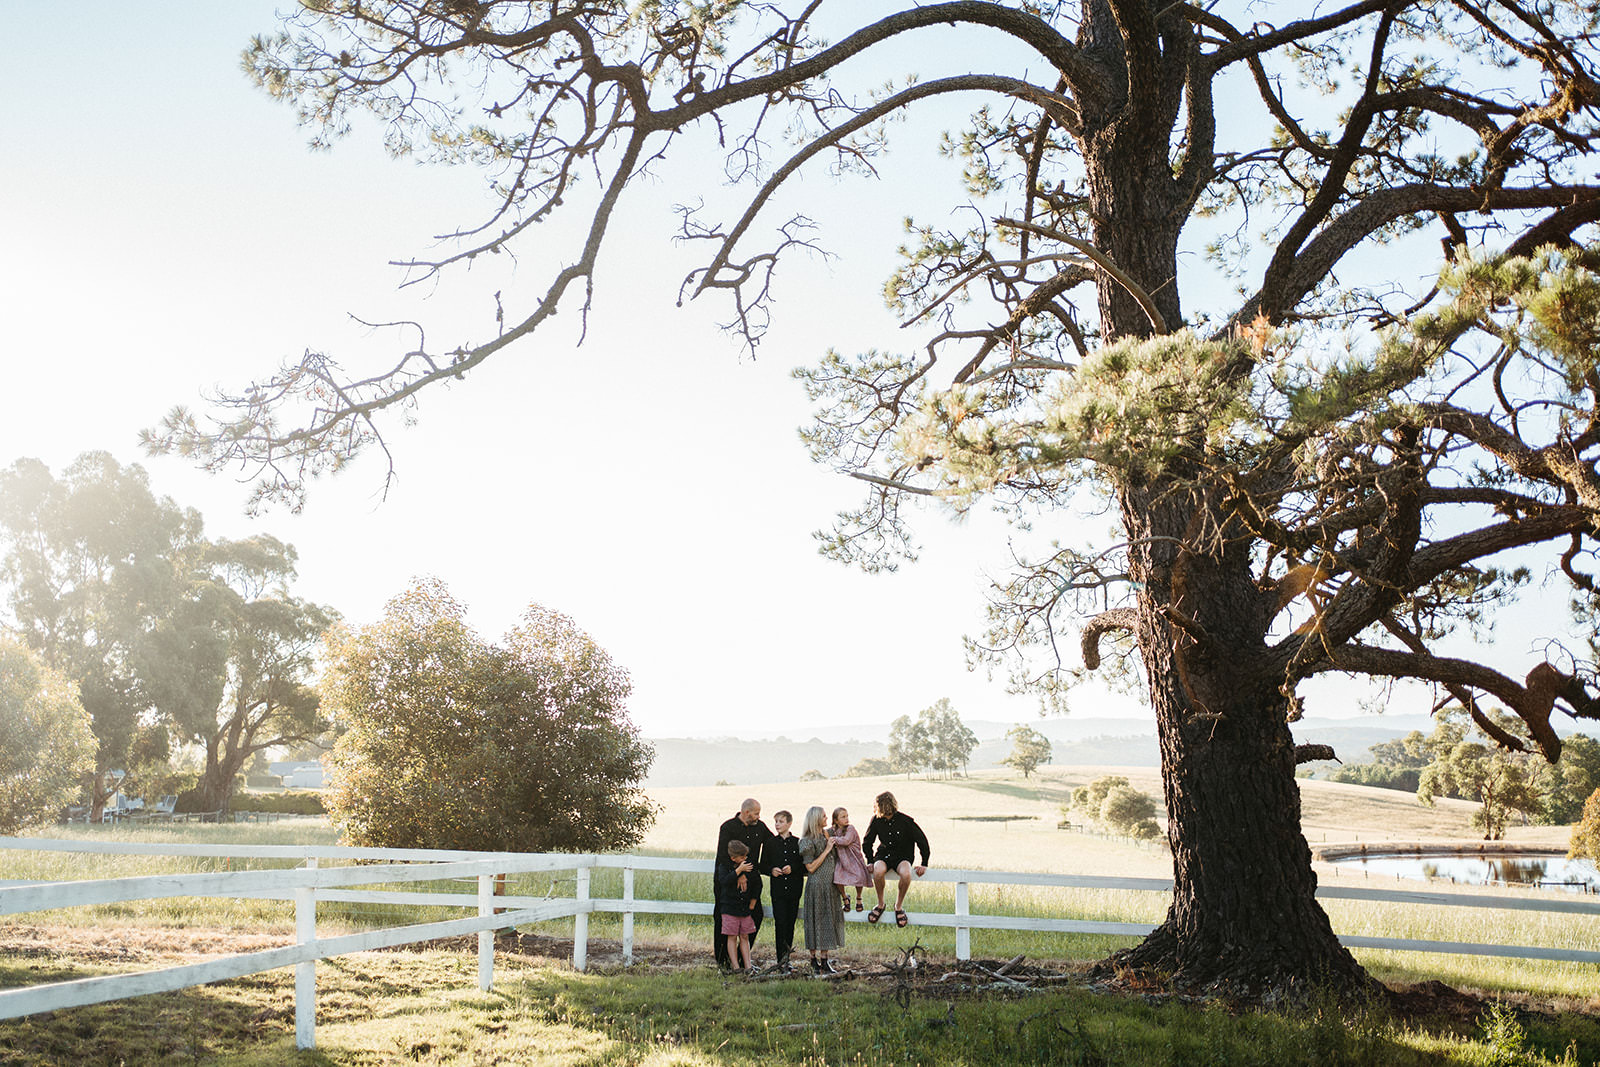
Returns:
(747,827)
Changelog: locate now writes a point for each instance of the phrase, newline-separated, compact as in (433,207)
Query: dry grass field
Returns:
(961,818)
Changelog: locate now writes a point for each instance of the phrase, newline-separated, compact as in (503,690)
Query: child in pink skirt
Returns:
(851,868)
(738,894)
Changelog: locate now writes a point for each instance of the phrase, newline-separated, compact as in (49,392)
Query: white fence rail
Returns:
(310,884)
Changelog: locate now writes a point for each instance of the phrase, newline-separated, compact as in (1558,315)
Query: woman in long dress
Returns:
(824,921)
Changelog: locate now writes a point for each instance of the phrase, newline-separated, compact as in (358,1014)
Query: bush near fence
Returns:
(289,802)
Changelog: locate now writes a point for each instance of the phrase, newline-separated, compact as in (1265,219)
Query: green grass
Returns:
(394,1008)
(424,1008)
(1353,917)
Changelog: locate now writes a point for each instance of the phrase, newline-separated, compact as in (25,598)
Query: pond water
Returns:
(1549,872)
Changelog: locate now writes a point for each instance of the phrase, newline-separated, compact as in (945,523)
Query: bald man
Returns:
(747,827)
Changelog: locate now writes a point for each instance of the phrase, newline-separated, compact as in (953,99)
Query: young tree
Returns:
(1124,807)
(1269,455)
(452,742)
(47,744)
(1090,798)
(1029,749)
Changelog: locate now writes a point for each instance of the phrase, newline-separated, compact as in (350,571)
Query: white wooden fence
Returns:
(309,884)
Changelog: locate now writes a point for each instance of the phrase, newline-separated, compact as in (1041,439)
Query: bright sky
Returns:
(168,231)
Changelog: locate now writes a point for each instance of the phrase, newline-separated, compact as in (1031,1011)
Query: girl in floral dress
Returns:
(851,867)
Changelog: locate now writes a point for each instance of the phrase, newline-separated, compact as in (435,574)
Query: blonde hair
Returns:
(886,804)
(816,821)
(834,822)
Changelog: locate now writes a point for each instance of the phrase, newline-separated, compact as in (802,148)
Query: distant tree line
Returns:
(1457,760)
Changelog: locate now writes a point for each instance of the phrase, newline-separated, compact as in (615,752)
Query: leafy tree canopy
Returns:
(453,742)
(167,634)
(1501,782)
(93,562)
(250,646)
(47,745)
(1565,787)
(1125,806)
(1586,835)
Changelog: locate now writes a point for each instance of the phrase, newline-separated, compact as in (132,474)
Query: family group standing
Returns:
(820,867)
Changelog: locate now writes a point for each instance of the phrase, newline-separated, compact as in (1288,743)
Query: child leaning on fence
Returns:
(850,870)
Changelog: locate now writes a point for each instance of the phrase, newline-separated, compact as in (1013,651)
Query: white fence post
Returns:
(963,933)
(486,937)
(580,924)
(305,974)
(627,916)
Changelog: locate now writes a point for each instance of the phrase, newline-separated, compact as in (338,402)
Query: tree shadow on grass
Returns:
(1043,790)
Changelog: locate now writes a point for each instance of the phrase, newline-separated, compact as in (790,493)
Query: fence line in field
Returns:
(309,884)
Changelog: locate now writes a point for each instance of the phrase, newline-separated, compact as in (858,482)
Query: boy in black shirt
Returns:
(780,858)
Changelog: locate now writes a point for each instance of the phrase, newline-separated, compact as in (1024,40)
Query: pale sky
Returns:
(167,231)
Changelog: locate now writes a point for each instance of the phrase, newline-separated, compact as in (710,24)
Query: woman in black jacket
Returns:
(895,835)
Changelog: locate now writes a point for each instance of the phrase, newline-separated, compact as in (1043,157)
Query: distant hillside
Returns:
(684,761)
(696,761)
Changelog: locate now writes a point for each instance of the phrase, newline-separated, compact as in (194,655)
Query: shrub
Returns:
(1145,830)
(871,767)
(45,740)
(1125,806)
(453,742)
(291,802)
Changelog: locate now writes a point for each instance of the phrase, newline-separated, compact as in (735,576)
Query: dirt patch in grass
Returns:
(129,944)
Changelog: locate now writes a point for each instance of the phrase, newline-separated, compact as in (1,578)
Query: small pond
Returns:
(1549,872)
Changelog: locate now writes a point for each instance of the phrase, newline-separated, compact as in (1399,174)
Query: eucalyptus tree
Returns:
(1311,473)
(238,655)
(92,562)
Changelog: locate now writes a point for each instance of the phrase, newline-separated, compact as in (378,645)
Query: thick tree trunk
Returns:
(215,788)
(1244,919)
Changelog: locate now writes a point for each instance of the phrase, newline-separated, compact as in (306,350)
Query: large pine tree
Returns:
(1337,447)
